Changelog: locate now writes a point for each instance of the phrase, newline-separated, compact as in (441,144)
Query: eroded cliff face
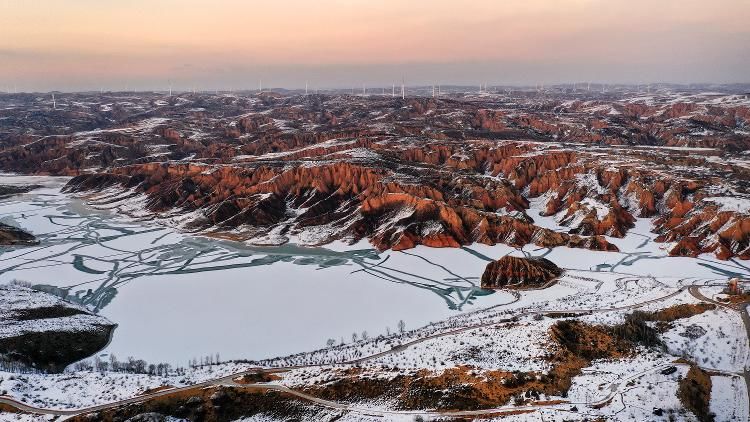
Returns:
(515,272)
(400,194)
(693,231)
(435,171)
(330,201)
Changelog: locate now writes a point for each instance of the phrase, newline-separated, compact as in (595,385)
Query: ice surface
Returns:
(177,296)
(197,296)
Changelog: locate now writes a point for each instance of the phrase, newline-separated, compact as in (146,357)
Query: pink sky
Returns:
(88,44)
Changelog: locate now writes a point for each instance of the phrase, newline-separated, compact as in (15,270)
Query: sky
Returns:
(71,45)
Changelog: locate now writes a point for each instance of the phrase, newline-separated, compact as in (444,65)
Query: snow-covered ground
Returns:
(196,296)
(729,398)
(513,346)
(14,300)
(714,339)
(72,390)
(641,395)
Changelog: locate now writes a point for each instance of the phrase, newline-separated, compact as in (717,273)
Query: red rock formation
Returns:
(490,120)
(436,171)
(358,201)
(510,271)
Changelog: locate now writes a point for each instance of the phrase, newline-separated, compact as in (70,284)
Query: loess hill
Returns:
(441,172)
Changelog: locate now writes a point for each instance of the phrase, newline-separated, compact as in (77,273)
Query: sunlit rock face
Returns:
(514,272)
(393,209)
(441,172)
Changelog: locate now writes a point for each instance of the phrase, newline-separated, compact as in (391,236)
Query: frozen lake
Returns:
(176,296)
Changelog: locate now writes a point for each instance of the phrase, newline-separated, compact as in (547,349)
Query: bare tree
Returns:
(354,337)
(139,366)
(113,363)
(365,336)
(401,326)
(330,342)
(83,365)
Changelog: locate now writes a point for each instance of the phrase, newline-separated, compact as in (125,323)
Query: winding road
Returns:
(228,380)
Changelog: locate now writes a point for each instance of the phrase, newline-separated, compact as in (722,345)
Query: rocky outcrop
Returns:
(515,272)
(433,171)
(10,190)
(13,236)
(705,230)
(42,331)
(394,209)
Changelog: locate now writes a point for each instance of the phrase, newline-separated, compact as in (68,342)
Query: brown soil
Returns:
(577,344)
(5,408)
(216,404)
(685,310)
(664,317)
(695,393)
(156,389)
(256,377)
(743,298)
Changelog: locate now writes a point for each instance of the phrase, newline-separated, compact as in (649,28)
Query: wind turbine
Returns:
(54,104)
(403,89)
(305,87)
(393,90)
(260,85)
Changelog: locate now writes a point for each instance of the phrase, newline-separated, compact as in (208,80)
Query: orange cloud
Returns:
(142,38)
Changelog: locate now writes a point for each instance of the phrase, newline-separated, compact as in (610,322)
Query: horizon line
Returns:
(578,86)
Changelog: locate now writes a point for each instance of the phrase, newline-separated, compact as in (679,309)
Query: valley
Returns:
(366,257)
